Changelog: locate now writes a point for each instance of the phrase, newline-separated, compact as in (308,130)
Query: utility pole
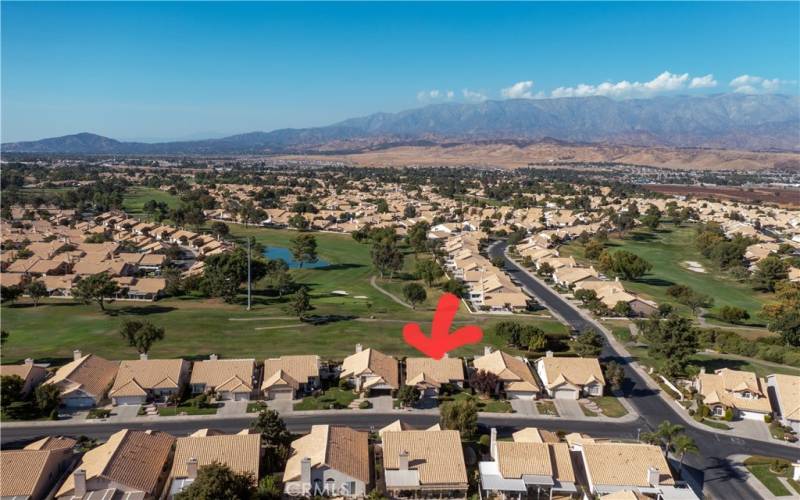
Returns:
(248,273)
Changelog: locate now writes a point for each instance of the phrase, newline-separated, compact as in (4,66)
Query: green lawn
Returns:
(485,405)
(547,408)
(197,327)
(667,249)
(333,398)
(763,468)
(171,411)
(610,406)
(136,197)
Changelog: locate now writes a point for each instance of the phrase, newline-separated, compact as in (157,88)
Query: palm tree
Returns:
(684,444)
(668,431)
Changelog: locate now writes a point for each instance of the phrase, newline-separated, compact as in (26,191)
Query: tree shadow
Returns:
(642,237)
(338,267)
(140,311)
(655,281)
(712,365)
(318,320)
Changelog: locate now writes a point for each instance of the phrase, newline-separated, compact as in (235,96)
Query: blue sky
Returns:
(172,70)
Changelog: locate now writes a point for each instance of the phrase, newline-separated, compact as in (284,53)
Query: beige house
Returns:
(641,468)
(287,376)
(146,379)
(240,452)
(516,377)
(570,378)
(428,374)
(229,379)
(30,373)
(784,391)
(528,469)
(34,471)
(330,460)
(371,370)
(85,381)
(740,391)
(424,464)
(131,464)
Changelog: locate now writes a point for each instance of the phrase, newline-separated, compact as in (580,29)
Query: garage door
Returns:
(521,395)
(129,400)
(566,394)
(242,396)
(281,394)
(79,402)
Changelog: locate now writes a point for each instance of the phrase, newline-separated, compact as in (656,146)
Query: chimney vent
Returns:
(213,357)
(359,348)
(487,350)
(305,471)
(143,356)
(29,361)
(191,468)
(549,354)
(77,354)
(653,476)
(79,476)
(402,463)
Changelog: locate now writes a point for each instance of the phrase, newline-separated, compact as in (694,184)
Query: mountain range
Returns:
(723,121)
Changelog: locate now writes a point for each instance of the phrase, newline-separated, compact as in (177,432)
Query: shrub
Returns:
(728,415)
(484,441)
(364,405)
(768,418)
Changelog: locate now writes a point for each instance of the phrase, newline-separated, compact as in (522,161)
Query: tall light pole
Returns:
(248,273)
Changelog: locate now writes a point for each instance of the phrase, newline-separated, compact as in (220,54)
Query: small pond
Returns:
(273,253)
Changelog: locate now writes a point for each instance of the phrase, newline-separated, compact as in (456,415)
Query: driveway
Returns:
(524,406)
(281,405)
(233,408)
(751,429)
(381,403)
(124,412)
(568,408)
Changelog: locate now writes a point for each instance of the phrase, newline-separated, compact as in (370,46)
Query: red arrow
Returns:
(441,340)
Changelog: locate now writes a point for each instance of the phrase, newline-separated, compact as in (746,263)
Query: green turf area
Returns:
(484,405)
(333,398)
(136,197)
(587,412)
(610,406)
(198,327)
(768,470)
(667,249)
(546,408)
(171,411)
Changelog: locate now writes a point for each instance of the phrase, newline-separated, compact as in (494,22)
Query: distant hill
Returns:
(723,121)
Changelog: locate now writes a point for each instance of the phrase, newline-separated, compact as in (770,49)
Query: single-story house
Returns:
(516,378)
(371,370)
(784,393)
(30,373)
(240,452)
(230,379)
(330,461)
(287,376)
(146,379)
(740,391)
(570,378)
(85,381)
(428,374)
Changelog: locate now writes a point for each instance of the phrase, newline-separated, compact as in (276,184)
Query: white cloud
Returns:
(471,95)
(434,95)
(665,82)
(703,82)
(520,90)
(750,84)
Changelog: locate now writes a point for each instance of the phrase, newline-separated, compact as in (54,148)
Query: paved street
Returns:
(720,479)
